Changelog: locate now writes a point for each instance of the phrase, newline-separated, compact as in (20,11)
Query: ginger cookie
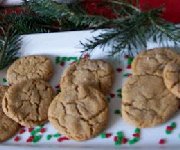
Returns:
(146,101)
(30,67)
(96,73)
(8,127)
(172,78)
(28,101)
(152,62)
(80,112)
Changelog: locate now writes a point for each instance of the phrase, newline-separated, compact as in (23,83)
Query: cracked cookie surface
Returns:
(146,101)
(79,112)
(171,77)
(8,127)
(152,62)
(30,67)
(27,102)
(96,73)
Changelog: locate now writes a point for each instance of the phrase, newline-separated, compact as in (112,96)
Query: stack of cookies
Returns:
(151,95)
(80,111)
(27,100)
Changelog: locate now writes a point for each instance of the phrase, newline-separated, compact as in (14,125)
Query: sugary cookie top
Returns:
(152,62)
(79,112)
(146,101)
(96,73)
(27,102)
(30,67)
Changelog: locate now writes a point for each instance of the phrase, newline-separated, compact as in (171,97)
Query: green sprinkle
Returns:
(73,58)
(131,142)
(126,74)
(137,130)
(120,134)
(173,125)
(119,95)
(58,91)
(4,80)
(119,90)
(136,139)
(108,99)
(179,135)
(117,143)
(120,139)
(33,132)
(57,60)
(103,135)
(117,111)
(37,138)
(49,136)
(38,129)
(168,132)
(40,126)
(130,59)
(56,135)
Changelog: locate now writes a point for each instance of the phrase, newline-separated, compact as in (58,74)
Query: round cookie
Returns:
(8,127)
(96,73)
(28,101)
(146,101)
(30,67)
(171,77)
(80,113)
(152,62)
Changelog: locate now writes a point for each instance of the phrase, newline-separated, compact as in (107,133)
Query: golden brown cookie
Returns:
(79,112)
(146,101)
(152,62)
(8,127)
(171,77)
(30,67)
(28,101)
(96,73)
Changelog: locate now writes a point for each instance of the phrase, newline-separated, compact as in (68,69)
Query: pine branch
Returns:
(132,32)
(10,44)
(68,16)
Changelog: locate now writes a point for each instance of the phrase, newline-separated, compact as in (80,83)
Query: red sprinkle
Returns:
(129,67)
(169,128)
(126,56)
(124,140)
(30,129)
(108,135)
(17,138)
(115,138)
(119,69)
(43,130)
(129,75)
(136,135)
(22,131)
(62,63)
(57,86)
(30,139)
(162,141)
(62,139)
(86,56)
(112,95)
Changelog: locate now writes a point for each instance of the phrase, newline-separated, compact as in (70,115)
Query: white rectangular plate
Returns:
(66,44)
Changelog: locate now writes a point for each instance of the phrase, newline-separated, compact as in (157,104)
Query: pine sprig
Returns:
(132,32)
(66,16)
(10,44)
